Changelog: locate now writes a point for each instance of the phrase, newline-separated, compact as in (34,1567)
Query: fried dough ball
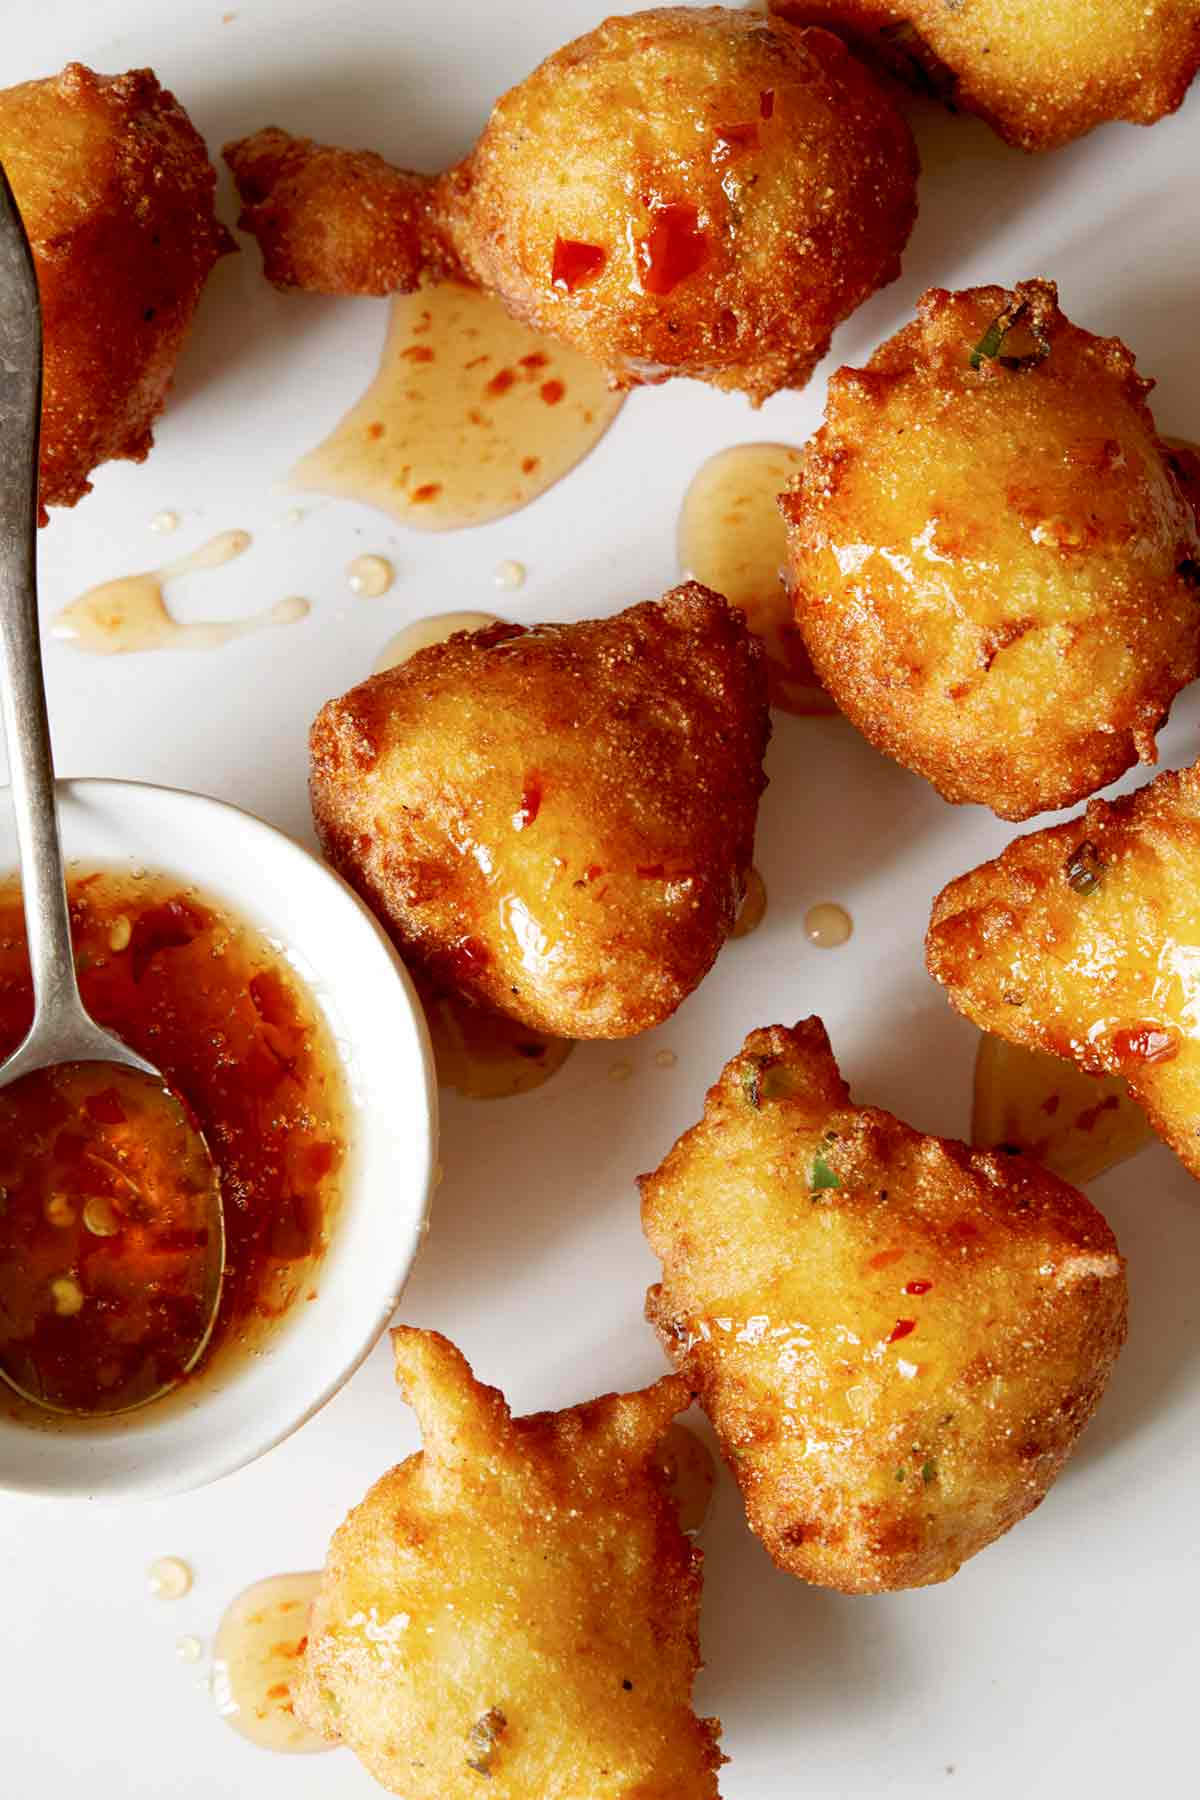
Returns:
(994,569)
(1041,72)
(515,1602)
(116,193)
(897,1339)
(1084,940)
(556,822)
(680,192)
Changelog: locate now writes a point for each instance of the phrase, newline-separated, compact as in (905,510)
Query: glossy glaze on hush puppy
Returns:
(557,822)
(116,193)
(1084,940)
(898,1339)
(1041,72)
(683,191)
(994,569)
(515,1608)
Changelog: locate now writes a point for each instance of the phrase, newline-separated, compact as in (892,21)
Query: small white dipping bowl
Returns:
(224,1420)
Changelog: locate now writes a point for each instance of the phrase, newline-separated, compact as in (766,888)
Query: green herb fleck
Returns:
(822,1175)
(901,1474)
(929,1472)
(752,1086)
(989,347)
(1084,869)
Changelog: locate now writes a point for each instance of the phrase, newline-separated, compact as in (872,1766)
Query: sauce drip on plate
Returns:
(483,1054)
(419,634)
(731,537)
(470,416)
(256,1657)
(1077,1125)
(753,909)
(131,613)
(689,1474)
(828,925)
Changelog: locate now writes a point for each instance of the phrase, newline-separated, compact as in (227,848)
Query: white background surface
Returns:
(1060,1662)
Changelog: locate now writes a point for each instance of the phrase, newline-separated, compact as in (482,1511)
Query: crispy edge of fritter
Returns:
(333,221)
(894,1562)
(975,908)
(959,772)
(463,1421)
(348,731)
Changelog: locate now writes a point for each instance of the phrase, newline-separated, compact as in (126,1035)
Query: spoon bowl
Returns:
(62,1322)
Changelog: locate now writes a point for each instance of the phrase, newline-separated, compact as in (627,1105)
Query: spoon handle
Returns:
(22,690)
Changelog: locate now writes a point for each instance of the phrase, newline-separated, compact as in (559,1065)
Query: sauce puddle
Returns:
(256,1658)
(419,634)
(731,537)
(485,1055)
(470,416)
(753,909)
(131,614)
(689,1475)
(1077,1125)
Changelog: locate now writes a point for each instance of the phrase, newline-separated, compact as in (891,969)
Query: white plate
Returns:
(1058,1662)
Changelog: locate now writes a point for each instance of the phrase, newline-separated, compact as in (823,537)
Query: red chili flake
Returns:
(1146,1042)
(529,464)
(423,353)
(531,802)
(575,263)
(318,1160)
(672,249)
(272,1000)
(375,429)
(552,392)
(1089,1117)
(884,1259)
(650,871)
(499,633)
(501,381)
(766,102)
(537,359)
(1051,1104)
(593,871)
(428,490)
(901,1329)
(166,927)
(732,140)
(105,1107)
(917,1287)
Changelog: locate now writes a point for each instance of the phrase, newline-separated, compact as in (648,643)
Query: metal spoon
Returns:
(63,1032)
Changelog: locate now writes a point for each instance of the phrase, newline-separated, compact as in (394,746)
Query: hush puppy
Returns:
(515,1607)
(995,571)
(116,194)
(1041,72)
(1084,940)
(897,1339)
(556,822)
(683,191)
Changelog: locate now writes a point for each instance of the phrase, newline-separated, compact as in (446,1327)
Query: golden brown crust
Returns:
(116,193)
(1084,940)
(516,1602)
(994,568)
(664,153)
(1041,72)
(335,221)
(682,191)
(556,822)
(897,1339)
